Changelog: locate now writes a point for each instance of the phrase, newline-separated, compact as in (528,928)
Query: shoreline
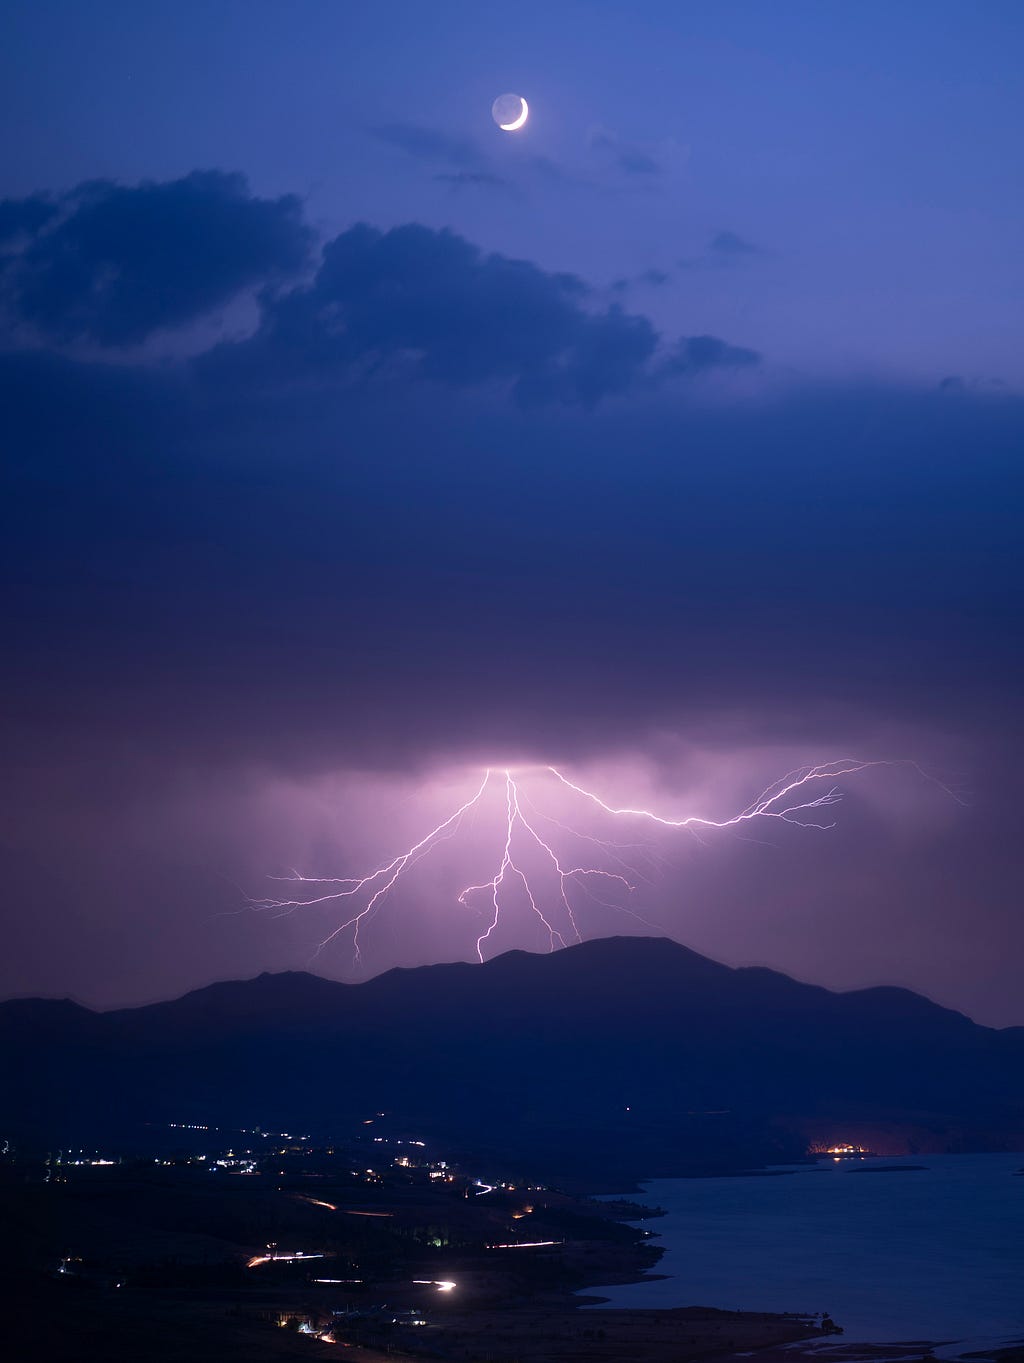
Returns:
(1003,1343)
(575,1323)
(150,1288)
(430,1263)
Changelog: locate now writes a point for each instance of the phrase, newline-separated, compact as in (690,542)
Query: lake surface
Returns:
(935,1254)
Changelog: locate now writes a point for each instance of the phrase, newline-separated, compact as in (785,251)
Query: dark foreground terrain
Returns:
(613,1060)
(180,1261)
(423,1189)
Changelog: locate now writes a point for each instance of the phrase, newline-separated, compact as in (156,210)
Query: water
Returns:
(933,1255)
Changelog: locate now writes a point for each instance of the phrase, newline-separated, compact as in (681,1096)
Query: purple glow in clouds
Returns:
(539,867)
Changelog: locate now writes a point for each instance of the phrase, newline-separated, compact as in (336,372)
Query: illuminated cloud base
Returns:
(537,858)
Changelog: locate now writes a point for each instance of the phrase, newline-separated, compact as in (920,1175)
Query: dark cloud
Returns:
(636,162)
(549,170)
(627,157)
(956,383)
(694,354)
(728,244)
(253,572)
(651,278)
(430,144)
(111,264)
(224,588)
(459,179)
(725,250)
(24,217)
(431,304)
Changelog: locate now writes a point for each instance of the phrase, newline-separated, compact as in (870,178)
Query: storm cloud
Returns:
(440,504)
(111,264)
(351,482)
(434,304)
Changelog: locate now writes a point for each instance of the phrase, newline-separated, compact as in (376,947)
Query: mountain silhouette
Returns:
(634,1054)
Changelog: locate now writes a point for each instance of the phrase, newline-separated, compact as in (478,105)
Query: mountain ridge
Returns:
(619,944)
(619,1044)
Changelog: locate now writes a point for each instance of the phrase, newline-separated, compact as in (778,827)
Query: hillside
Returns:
(634,1051)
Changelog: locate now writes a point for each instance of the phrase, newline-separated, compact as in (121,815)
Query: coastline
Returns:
(522,1301)
(906,1304)
(428,1262)
(559,1326)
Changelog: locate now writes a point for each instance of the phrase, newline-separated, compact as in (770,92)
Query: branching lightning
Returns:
(535,871)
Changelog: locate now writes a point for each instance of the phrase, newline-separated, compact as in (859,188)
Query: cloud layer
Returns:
(108,266)
(442,505)
(111,264)
(432,302)
(353,479)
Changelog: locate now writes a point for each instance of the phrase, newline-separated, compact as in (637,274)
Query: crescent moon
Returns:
(511,127)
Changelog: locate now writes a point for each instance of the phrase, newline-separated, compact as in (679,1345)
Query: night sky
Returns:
(350,443)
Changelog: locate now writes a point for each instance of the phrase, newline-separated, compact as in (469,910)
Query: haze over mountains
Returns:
(631,1054)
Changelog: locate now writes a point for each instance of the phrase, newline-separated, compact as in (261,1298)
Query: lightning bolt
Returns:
(514,815)
(377,883)
(770,804)
(553,898)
